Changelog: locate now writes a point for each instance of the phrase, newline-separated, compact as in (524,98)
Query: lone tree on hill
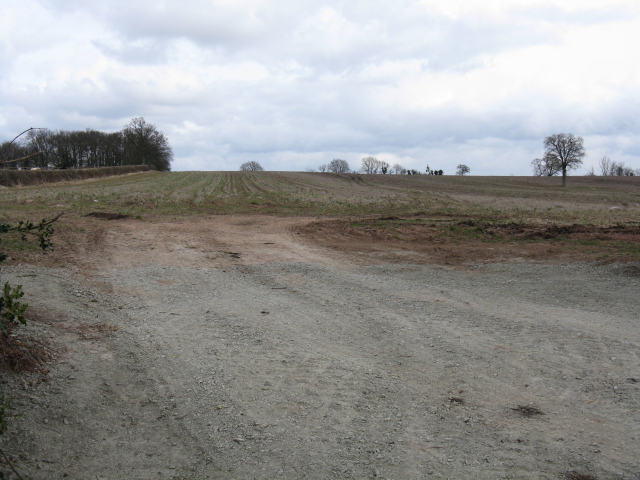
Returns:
(251,167)
(338,166)
(566,150)
(462,170)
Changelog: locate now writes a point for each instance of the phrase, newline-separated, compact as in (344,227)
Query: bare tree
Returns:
(322,168)
(619,169)
(251,167)
(16,152)
(547,166)
(138,143)
(605,166)
(146,145)
(338,166)
(462,170)
(612,168)
(567,150)
(397,168)
(370,165)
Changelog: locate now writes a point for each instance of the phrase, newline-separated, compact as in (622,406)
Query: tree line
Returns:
(372,166)
(611,168)
(138,143)
(369,165)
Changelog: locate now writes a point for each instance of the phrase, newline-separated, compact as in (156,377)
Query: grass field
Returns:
(593,200)
(598,216)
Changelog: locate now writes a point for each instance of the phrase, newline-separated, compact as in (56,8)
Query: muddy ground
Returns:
(263,347)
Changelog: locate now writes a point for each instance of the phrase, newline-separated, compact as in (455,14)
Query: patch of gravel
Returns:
(297,370)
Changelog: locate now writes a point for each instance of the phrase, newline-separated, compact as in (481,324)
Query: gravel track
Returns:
(257,367)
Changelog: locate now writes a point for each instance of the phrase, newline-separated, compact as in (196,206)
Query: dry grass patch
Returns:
(19,354)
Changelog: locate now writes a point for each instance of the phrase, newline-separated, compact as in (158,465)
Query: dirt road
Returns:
(237,348)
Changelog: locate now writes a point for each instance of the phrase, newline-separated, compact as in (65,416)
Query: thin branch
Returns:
(27,130)
(18,136)
(55,219)
(11,465)
(3,162)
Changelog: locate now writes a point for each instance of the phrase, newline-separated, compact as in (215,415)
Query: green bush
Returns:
(11,308)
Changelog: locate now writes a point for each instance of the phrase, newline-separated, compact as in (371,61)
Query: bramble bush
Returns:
(11,308)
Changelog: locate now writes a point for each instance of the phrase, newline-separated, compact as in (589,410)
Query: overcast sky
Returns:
(294,84)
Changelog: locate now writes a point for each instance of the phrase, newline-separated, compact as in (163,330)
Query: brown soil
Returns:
(452,241)
(414,239)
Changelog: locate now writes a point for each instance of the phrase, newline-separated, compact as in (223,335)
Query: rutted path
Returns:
(183,361)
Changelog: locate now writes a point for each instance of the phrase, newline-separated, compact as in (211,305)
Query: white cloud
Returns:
(290,83)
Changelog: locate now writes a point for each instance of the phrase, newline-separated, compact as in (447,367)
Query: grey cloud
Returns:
(293,31)
(319,117)
(198,21)
(441,43)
